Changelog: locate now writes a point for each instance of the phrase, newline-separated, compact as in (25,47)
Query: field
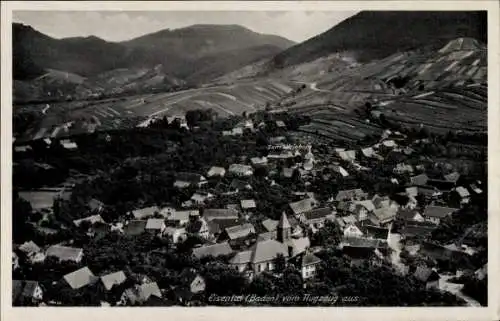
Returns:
(67,118)
(459,108)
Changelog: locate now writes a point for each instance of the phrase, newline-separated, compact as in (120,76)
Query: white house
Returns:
(216,171)
(240,170)
(352,230)
(309,264)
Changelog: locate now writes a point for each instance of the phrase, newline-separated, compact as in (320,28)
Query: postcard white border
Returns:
(492,312)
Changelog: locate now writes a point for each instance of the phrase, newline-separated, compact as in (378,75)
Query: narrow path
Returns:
(456,289)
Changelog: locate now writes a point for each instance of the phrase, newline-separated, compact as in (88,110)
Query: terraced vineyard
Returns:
(67,118)
(443,90)
(456,108)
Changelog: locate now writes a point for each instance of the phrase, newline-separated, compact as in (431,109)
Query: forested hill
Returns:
(376,34)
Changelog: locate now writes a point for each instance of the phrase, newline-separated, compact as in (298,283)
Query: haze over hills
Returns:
(427,76)
(177,55)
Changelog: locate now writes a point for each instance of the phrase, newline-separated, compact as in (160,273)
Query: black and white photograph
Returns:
(291,158)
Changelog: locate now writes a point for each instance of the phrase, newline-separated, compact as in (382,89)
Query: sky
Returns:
(124,25)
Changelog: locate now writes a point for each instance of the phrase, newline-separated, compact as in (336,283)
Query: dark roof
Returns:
(225,223)
(426,274)
(135,227)
(188,177)
(441,184)
(355,252)
(452,177)
(309,259)
(318,213)
(239,185)
(438,211)
(427,190)
(416,230)
(194,227)
(375,232)
(29,288)
(439,252)
(406,214)
(419,179)
(219,213)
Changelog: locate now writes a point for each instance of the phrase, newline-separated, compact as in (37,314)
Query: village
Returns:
(337,203)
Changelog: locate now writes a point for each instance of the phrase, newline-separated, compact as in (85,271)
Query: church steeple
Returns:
(283,229)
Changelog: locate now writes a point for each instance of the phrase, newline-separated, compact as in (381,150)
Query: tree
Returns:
(279,263)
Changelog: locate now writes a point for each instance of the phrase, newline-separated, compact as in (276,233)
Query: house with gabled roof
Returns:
(347,155)
(419,180)
(26,293)
(237,232)
(186,179)
(248,204)
(317,217)
(216,171)
(452,177)
(65,253)
(29,247)
(308,265)
(155,226)
(193,281)
(264,253)
(462,194)
(92,219)
(280,124)
(214,250)
(258,161)
(181,218)
(135,227)
(80,278)
(113,279)
(297,246)
(237,186)
(383,216)
(375,232)
(402,168)
(380,201)
(219,213)
(240,170)
(435,214)
(350,195)
(360,250)
(139,294)
(176,234)
(241,260)
(270,225)
(409,215)
(352,230)
(416,230)
(145,212)
(302,206)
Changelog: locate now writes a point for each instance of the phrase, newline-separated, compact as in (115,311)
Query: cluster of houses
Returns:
(251,248)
